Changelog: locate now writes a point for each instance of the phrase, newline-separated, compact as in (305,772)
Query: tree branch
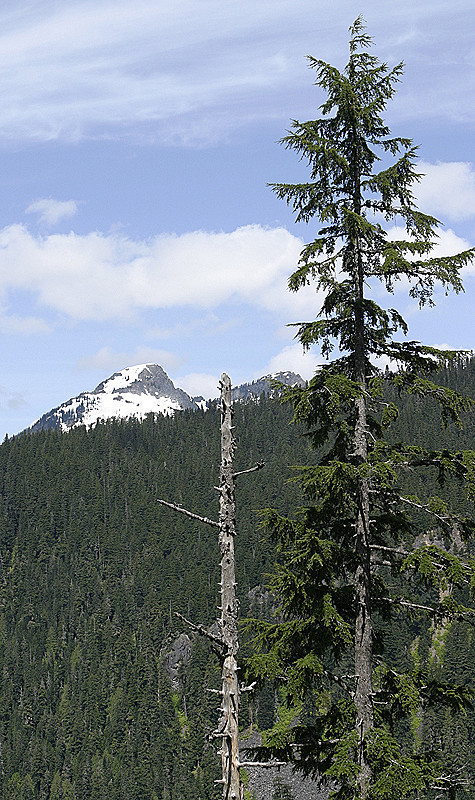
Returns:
(201,629)
(340,680)
(189,513)
(267,764)
(406,604)
(249,688)
(258,466)
(395,550)
(446,521)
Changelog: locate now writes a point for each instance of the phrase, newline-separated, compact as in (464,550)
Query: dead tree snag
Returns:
(232,787)
(226,643)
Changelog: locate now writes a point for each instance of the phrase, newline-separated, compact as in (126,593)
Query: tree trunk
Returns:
(228,728)
(363,625)
(226,644)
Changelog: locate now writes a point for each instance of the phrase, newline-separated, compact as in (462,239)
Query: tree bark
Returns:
(363,624)
(226,644)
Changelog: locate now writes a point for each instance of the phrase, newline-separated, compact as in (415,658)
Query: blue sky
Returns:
(136,141)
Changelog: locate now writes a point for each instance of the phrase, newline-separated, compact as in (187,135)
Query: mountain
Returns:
(138,391)
(265,384)
(132,392)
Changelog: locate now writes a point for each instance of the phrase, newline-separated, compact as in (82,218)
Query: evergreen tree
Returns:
(342,553)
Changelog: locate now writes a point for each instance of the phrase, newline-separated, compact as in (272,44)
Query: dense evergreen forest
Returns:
(93,569)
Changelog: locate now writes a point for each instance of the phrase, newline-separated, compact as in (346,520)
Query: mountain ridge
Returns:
(140,390)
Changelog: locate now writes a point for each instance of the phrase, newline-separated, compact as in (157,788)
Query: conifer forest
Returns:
(355,557)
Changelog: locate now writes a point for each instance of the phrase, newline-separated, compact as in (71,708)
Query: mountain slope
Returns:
(93,569)
(264,385)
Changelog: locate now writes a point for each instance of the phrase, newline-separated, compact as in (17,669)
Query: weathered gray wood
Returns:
(228,727)
(257,467)
(215,640)
(189,513)
(226,644)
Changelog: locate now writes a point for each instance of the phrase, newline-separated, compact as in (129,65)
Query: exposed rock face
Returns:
(177,656)
(263,783)
(281,782)
(264,385)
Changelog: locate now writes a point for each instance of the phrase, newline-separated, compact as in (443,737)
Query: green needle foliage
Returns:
(365,548)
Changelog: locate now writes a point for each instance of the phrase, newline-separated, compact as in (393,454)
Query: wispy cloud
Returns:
(11,400)
(50,211)
(17,325)
(109,360)
(199,383)
(183,71)
(207,325)
(82,68)
(295,359)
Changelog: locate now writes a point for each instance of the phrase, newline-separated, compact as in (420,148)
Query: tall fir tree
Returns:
(351,558)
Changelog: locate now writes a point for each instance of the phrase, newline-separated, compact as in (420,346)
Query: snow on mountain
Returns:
(138,391)
(132,392)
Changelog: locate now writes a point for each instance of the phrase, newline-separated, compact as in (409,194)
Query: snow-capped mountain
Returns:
(132,392)
(138,391)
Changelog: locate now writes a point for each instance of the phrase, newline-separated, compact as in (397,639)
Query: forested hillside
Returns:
(93,569)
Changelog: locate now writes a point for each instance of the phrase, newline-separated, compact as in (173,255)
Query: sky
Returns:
(136,144)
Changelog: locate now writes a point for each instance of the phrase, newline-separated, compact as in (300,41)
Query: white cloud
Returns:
(109,360)
(52,211)
(13,324)
(444,346)
(99,277)
(110,277)
(448,243)
(447,190)
(293,358)
(199,383)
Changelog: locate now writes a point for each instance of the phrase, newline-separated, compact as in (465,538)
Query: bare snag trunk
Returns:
(226,643)
(228,729)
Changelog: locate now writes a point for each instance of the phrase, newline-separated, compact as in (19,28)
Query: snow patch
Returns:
(123,379)
(107,405)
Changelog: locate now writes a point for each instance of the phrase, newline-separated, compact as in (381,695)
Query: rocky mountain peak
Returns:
(132,392)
